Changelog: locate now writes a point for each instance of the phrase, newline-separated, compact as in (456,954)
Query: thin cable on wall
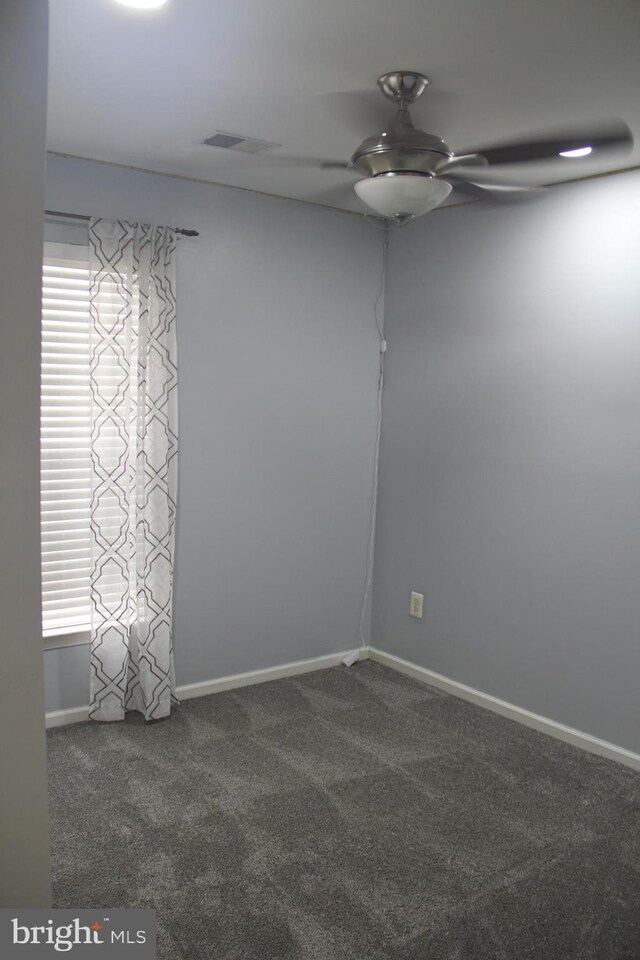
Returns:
(379,304)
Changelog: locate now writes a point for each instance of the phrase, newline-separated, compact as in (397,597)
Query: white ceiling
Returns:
(145,89)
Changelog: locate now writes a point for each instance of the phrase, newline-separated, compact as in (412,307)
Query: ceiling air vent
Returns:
(234,141)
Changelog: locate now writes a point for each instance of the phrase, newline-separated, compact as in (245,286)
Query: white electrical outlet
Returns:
(415,606)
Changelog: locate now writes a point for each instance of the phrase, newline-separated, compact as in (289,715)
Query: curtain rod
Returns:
(79,216)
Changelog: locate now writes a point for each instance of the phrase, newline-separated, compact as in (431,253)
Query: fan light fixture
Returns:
(402,196)
(142,4)
(579,152)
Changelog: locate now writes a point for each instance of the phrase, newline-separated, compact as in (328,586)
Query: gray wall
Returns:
(510,467)
(24,841)
(278,371)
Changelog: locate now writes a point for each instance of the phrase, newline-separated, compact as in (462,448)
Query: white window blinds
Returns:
(65,440)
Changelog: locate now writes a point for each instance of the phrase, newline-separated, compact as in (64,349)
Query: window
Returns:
(65,442)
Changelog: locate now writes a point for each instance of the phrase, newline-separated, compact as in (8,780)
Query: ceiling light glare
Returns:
(142,4)
(579,152)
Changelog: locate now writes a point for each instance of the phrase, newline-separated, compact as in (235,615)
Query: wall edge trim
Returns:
(60,718)
(552,728)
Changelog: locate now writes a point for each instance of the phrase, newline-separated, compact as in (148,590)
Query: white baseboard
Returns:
(585,741)
(205,687)
(59,718)
(551,727)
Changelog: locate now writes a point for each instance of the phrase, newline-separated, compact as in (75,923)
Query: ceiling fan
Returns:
(406,172)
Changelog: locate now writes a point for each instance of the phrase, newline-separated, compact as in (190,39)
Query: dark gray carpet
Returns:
(348,814)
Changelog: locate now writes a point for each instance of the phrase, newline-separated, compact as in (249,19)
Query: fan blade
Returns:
(361,112)
(436,111)
(494,190)
(332,196)
(365,112)
(283,160)
(444,167)
(611,134)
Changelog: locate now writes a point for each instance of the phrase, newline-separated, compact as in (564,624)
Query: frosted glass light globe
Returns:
(402,194)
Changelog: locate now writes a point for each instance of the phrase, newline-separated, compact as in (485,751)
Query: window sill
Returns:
(74,638)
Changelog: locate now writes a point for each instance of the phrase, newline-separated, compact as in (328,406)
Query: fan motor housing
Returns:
(400,149)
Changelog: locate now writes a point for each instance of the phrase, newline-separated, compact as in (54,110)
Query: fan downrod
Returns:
(403,87)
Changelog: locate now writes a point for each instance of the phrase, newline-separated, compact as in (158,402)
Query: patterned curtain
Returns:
(134,447)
